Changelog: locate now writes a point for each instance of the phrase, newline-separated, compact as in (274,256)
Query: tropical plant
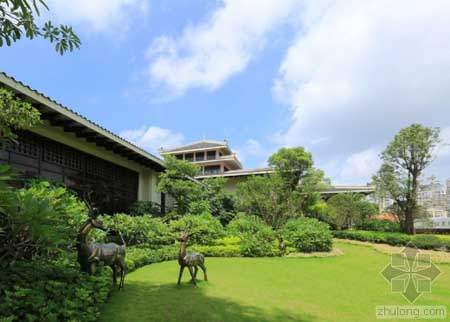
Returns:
(42,219)
(16,114)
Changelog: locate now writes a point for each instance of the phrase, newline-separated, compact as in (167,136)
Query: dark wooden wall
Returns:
(114,188)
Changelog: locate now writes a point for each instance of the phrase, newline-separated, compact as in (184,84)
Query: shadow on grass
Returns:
(146,302)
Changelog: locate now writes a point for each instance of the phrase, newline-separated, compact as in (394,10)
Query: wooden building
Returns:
(70,149)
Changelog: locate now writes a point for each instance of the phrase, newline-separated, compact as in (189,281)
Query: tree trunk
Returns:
(409,222)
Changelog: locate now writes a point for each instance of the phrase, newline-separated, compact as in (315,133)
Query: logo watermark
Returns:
(398,312)
(410,273)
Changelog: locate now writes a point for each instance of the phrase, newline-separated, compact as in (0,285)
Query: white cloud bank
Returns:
(209,53)
(103,16)
(152,138)
(357,72)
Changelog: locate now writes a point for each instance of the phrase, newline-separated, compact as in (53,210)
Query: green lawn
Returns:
(345,288)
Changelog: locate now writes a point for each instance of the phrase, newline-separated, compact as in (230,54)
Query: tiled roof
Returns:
(204,144)
(238,173)
(48,102)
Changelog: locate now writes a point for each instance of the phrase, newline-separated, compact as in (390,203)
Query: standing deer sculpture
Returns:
(190,260)
(90,254)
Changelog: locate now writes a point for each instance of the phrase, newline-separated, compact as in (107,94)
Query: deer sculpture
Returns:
(281,246)
(90,254)
(190,260)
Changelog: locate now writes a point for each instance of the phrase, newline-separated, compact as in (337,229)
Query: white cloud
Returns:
(209,53)
(360,167)
(111,16)
(358,71)
(153,138)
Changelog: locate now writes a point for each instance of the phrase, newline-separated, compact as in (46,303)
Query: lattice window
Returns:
(27,144)
(99,168)
(73,159)
(53,152)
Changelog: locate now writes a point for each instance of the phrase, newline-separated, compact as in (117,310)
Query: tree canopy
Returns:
(18,19)
(290,191)
(404,161)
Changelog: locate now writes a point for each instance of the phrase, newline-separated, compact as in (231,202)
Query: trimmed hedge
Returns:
(423,241)
(379,225)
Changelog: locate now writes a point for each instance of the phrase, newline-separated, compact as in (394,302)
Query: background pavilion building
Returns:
(215,159)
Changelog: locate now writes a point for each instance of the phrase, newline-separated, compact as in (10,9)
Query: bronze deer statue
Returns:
(90,254)
(190,260)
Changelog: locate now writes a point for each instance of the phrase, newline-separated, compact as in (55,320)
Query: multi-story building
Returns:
(215,159)
(433,199)
(448,195)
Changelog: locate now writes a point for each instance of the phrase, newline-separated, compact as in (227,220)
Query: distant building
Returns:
(448,195)
(433,199)
(215,159)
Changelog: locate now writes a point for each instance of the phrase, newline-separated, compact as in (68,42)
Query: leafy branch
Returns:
(18,19)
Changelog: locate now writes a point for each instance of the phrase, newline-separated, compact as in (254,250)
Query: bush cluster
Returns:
(144,231)
(379,225)
(204,228)
(58,291)
(33,291)
(257,238)
(423,241)
(41,219)
(308,235)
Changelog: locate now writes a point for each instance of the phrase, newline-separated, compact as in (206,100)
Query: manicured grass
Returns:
(344,288)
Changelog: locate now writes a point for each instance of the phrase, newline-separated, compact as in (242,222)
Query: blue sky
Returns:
(338,77)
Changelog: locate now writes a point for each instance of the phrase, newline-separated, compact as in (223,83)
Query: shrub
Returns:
(141,230)
(204,227)
(140,208)
(51,293)
(58,291)
(395,239)
(219,250)
(379,225)
(308,235)
(137,256)
(40,219)
(256,237)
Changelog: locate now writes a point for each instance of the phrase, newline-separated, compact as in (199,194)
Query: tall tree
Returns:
(292,164)
(18,19)
(404,161)
(289,191)
(177,182)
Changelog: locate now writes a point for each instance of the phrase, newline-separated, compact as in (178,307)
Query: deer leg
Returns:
(122,277)
(195,272)
(202,266)
(114,274)
(92,268)
(192,275)
(180,275)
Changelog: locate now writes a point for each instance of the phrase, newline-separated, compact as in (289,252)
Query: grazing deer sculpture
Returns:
(90,254)
(281,246)
(190,260)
